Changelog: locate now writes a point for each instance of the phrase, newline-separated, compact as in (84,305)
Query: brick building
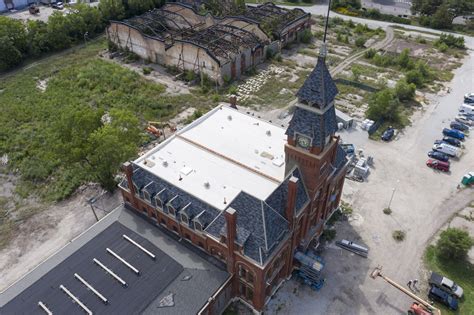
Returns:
(245,191)
(223,48)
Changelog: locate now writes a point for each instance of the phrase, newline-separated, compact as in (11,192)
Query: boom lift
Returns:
(420,307)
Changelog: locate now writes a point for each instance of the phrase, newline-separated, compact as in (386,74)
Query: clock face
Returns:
(303,141)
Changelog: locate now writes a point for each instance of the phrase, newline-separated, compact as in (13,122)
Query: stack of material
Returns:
(361,169)
(366,124)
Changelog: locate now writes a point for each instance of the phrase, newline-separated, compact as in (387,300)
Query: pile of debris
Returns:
(252,85)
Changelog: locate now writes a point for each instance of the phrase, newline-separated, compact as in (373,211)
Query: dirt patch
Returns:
(158,73)
(34,230)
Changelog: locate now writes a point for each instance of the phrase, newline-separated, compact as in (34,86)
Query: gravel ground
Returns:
(423,202)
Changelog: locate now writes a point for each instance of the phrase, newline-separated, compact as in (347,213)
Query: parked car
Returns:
(453,133)
(436,294)
(467,109)
(438,165)
(450,141)
(388,134)
(58,5)
(464,120)
(445,148)
(458,126)
(469,98)
(445,284)
(440,156)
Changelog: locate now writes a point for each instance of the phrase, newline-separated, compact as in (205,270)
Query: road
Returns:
(377,45)
(424,200)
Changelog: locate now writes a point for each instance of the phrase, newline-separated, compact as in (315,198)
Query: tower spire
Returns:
(323,50)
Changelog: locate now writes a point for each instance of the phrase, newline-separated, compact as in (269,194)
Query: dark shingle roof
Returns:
(278,199)
(259,227)
(141,178)
(313,125)
(319,88)
(341,158)
(260,224)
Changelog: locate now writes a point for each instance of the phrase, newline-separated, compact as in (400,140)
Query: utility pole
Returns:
(393,193)
(91,202)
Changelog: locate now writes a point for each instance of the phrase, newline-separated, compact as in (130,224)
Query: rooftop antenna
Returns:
(323,50)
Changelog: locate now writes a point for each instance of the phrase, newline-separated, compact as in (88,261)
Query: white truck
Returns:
(450,150)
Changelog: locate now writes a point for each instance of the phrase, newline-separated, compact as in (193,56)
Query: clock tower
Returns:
(313,147)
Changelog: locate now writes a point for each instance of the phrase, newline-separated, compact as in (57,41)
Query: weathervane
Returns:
(323,50)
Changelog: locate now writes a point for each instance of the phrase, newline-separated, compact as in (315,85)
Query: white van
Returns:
(448,149)
(467,109)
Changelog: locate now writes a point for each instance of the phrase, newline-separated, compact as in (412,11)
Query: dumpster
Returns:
(468,179)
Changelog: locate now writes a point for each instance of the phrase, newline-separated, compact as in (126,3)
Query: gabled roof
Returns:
(259,227)
(319,89)
(279,198)
(313,125)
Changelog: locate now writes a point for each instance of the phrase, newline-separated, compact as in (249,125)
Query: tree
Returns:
(440,13)
(443,18)
(112,10)
(405,91)
(383,105)
(137,7)
(15,31)
(414,77)
(454,243)
(38,42)
(111,145)
(10,56)
(404,60)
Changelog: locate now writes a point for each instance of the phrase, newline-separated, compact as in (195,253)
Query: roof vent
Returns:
(229,117)
(207,185)
(165,163)
(269,133)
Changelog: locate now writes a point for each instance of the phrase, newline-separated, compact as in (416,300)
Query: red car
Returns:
(438,165)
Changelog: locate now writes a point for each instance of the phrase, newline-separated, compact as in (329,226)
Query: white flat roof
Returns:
(219,155)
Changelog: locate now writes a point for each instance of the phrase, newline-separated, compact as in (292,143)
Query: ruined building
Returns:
(247,192)
(176,35)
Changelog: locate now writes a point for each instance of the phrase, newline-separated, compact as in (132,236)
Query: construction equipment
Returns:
(420,307)
(158,128)
(34,9)
(310,269)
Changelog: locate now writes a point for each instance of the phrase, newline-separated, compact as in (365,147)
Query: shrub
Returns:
(329,234)
(451,41)
(387,211)
(232,89)
(384,105)
(306,36)
(346,208)
(414,77)
(454,243)
(147,70)
(189,76)
(398,235)
(405,91)
(370,53)
(360,41)
(442,47)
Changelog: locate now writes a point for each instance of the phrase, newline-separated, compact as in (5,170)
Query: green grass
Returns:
(461,272)
(77,80)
